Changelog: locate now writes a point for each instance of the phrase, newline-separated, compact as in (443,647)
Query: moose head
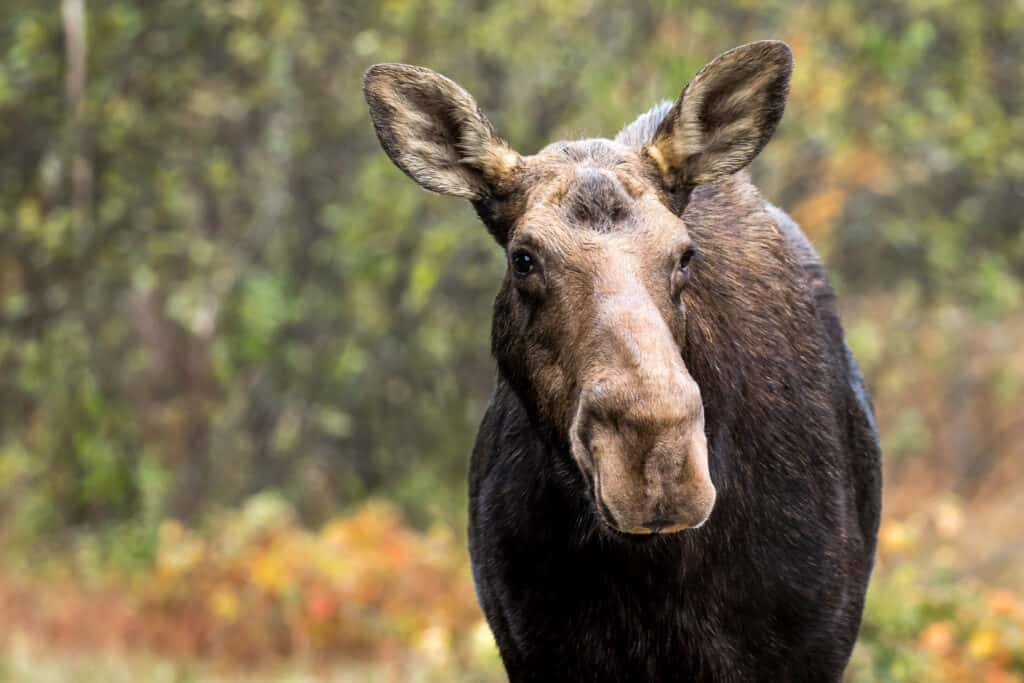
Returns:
(590,321)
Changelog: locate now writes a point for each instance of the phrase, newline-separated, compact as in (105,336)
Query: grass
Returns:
(22,661)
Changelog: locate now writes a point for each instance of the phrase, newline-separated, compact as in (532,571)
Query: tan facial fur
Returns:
(602,324)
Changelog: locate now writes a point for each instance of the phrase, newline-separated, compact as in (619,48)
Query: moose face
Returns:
(590,322)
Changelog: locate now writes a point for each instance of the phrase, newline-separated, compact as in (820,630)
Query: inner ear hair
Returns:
(724,116)
(433,130)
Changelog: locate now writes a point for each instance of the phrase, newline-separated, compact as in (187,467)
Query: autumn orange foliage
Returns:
(262,588)
(258,588)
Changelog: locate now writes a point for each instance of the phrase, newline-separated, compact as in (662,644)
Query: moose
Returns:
(678,475)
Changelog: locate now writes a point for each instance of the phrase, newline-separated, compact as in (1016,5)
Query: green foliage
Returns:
(212,282)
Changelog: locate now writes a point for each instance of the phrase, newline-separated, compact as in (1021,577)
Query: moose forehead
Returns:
(588,184)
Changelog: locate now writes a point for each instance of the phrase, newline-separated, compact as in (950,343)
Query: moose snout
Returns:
(648,469)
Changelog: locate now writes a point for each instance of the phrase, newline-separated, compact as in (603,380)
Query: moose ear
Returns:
(434,131)
(724,116)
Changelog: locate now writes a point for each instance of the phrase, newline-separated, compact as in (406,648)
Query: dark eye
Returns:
(522,263)
(684,260)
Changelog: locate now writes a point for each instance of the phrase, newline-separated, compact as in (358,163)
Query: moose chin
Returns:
(678,474)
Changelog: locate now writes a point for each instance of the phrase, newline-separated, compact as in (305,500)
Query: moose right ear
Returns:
(434,131)
(723,117)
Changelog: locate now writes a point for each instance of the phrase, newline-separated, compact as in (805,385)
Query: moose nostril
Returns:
(658,523)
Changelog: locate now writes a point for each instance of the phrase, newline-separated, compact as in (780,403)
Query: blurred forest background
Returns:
(242,358)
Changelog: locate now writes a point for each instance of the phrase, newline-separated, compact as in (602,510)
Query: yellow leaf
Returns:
(983,644)
(896,537)
(268,573)
(224,604)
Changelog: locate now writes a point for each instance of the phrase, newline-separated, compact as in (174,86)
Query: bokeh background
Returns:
(242,357)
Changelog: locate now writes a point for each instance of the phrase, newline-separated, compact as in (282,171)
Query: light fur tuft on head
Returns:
(641,132)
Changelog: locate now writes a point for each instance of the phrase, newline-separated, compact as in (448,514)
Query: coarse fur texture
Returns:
(678,474)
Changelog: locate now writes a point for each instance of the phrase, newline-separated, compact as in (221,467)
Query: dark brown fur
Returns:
(642,393)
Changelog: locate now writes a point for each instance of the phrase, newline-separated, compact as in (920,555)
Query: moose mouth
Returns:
(656,527)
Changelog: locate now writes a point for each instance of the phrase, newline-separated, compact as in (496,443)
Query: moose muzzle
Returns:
(638,432)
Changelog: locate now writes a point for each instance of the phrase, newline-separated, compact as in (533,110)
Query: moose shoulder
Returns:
(677,477)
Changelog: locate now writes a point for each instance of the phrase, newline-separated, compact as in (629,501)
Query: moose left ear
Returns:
(724,116)
(434,131)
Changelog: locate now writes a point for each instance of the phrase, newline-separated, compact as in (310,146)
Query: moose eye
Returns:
(684,260)
(522,263)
